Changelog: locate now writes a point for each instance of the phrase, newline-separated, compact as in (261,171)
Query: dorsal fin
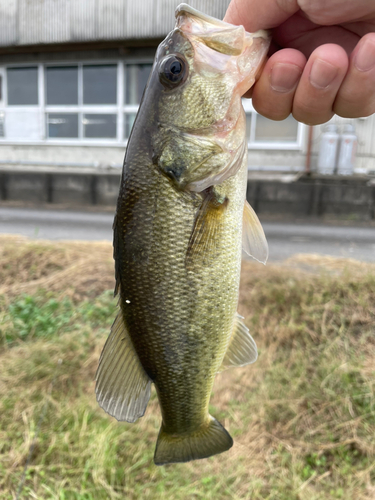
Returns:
(242,349)
(254,241)
(122,386)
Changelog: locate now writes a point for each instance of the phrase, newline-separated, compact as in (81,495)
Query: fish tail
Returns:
(210,439)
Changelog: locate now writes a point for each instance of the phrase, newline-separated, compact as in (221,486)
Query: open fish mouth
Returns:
(218,35)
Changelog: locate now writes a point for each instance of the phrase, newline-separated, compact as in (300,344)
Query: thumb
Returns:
(260,14)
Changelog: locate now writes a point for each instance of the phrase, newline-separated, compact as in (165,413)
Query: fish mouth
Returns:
(219,35)
(186,9)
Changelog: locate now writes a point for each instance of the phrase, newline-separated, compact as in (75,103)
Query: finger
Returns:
(273,93)
(337,11)
(259,14)
(319,84)
(300,33)
(357,93)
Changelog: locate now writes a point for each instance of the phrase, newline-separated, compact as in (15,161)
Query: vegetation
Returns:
(302,417)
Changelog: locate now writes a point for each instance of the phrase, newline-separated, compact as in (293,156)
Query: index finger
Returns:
(260,14)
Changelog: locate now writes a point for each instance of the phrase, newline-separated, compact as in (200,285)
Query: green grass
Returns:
(302,417)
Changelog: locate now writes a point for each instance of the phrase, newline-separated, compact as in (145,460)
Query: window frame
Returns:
(3,93)
(3,89)
(81,109)
(253,144)
(120,109)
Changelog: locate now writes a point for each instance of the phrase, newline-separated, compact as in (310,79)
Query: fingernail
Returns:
(284,77)
(322,74)
(365,58)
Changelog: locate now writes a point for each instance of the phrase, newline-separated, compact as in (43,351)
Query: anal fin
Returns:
(254,241)
(122,386)
(242,349)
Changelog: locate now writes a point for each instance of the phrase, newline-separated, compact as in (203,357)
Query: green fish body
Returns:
(178,234)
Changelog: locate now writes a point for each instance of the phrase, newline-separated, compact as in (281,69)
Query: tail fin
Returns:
(210,439)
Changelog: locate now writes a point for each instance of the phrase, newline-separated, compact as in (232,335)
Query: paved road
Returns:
(284,239)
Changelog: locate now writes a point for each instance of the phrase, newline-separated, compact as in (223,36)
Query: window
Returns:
(136,76)
(128,123)
(22,86)
(263,133)
(135,82)
(97,103)
(82,101)
(100,84)
(103,125)
(272,131)
(92,104)
(62,85)
(62,125)
(2,116)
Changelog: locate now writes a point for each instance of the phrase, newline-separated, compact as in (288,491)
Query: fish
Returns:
(181,221)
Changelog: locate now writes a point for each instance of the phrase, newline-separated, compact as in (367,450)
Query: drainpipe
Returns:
(308,154)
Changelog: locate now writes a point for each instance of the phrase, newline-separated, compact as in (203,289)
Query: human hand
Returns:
(323,59)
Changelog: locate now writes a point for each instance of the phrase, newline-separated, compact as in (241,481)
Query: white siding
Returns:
(34,22)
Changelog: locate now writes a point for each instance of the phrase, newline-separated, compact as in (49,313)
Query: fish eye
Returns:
(173,71)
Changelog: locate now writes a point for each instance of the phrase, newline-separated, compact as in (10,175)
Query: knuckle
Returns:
(272,110)
(312,114)
(288,6)
(353,110)
(319,12)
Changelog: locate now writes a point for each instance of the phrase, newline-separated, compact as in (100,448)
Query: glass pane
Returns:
(100,84)
(100,126)
(271,131)
(62,125)
(2,117)
(128,121)
(248,125)
(62,85)
(22,86)
(136,76)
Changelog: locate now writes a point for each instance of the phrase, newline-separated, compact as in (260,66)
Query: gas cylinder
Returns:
(328,150)
(347,151)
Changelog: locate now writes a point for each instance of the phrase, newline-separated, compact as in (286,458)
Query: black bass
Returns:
(180,220)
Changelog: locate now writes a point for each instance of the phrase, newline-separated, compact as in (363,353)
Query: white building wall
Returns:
(61,155)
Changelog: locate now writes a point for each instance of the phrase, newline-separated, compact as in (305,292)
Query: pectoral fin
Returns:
(205,237)
(122,386)
(242,349)
(254,241)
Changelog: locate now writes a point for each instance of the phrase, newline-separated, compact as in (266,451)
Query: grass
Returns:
(302,417)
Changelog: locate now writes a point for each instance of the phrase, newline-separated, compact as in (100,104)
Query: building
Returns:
(72,74)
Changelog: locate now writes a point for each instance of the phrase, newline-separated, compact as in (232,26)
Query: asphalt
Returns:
(284,238)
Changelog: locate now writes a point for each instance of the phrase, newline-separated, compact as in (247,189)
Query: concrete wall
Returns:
(315,196)
(60,155)
(307,196)
(60,186)
(260,159)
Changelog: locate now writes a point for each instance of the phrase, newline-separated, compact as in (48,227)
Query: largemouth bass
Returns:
(180,223)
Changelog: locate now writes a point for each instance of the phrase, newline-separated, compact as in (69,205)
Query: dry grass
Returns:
(76,269)
(302,417)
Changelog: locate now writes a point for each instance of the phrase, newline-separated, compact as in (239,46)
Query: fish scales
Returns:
(177,245)
(172,312)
